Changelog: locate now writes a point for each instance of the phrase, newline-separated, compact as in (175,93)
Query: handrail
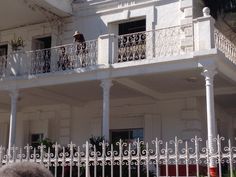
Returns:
(225,45)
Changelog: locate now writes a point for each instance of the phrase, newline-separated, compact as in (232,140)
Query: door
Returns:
(3,58)
(41,62)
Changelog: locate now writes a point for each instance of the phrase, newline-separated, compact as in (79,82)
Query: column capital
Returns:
(209,72)
(106,83)
(14,94)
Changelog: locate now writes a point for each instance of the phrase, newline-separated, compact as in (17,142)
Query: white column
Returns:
(209,73)
(12,131)
(106,85)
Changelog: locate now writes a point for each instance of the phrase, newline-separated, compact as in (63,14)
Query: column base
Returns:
(213,172)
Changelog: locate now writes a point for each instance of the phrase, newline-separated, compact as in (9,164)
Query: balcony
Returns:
(55,59)
(149,44)
(108,49)
(33,12)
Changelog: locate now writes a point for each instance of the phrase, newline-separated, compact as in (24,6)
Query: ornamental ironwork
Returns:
(66,57)
(132,47)
(149,44)
(137,159)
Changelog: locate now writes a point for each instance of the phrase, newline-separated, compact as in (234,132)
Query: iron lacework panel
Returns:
(137,159)
(55,59)
(150,44)
(66,57)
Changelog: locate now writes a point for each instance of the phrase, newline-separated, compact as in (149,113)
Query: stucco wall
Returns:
(93,22)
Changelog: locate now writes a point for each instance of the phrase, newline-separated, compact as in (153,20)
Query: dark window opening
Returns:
(42,43)
(36,139)
(3,58)
(3,50)
(127,135)
(132,27)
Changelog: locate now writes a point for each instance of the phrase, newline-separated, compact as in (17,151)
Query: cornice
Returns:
(108,6)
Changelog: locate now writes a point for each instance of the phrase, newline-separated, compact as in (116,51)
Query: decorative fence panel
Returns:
(137,159)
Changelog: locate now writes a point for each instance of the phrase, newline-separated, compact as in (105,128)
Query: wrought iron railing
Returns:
(149,44)
(60,58)
(225,45)
(66,57)
(138,159)
(131,47)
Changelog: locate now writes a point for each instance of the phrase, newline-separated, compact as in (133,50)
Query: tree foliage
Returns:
(220,6)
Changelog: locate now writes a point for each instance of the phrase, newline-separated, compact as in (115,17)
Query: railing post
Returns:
(106,84)
(150,44)
(107,49)
(14,63)
(204,31)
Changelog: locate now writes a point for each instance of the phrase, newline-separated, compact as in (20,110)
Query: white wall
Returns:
(27,33)
(93,21)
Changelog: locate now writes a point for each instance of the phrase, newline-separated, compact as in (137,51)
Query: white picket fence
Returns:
(137,159)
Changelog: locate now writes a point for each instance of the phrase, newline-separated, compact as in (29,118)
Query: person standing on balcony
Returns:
(81,47)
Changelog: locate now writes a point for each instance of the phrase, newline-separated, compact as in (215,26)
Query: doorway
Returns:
(3,58)
(132,41)
(42,54)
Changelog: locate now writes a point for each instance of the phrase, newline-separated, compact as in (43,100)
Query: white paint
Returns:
(106,85)
(12,130)
(204,33)
(211,120)
(61,7)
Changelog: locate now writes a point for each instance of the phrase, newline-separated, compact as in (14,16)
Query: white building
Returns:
(151,83)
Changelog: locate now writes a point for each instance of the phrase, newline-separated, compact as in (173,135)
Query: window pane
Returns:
(132,27)
(137,133)
(35,139)
(117,135)
(127,135)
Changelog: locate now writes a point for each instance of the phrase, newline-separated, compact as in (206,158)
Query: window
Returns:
(3,50)
(3,58)
(132,27)
(36,138)
(127,135)
(132,41)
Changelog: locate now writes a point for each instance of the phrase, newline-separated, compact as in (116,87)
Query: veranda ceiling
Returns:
(166,86)
(16,13)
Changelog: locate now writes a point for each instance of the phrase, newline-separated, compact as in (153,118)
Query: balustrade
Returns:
(60,58)
(225,45)
(130,47)
(149,44)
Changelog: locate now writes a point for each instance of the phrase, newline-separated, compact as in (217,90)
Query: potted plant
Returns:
(17,43)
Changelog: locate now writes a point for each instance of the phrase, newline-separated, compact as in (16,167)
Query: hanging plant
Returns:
(17,43)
